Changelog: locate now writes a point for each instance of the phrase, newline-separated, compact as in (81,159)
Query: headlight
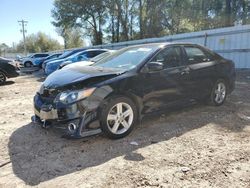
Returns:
(73,96)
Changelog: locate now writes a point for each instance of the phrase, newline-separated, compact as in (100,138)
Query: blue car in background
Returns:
(63,56)
(91,60)
(80,56)
(39,62)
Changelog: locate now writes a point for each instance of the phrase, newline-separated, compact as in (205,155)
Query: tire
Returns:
(219,93)
(2,77)
(116,125)
(28,64)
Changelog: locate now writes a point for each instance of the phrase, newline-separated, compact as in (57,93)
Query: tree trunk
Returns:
(228,12)
(141,19)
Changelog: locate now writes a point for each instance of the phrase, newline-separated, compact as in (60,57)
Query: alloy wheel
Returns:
(220,92)
(120,118)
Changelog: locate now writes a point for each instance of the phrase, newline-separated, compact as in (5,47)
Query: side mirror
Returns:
(154,66)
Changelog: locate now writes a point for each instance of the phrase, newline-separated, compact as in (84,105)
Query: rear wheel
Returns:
(2,77)
(118,117)
(219,93)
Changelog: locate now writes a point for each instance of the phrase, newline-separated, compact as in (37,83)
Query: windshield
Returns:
(127,58)
(51,56)
(65,54)
(101,56)
(75,55)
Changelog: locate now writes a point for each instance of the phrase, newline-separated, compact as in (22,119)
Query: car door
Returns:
(161,88)
(201,66)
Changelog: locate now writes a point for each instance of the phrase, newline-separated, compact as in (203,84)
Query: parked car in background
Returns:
(80,56)
(39,62)
(63,56)
(90,61)
(10,61)
(19,58)
(118,90)
(6,71)
(29,61)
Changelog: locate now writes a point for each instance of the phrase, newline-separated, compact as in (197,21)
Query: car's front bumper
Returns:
(75,119)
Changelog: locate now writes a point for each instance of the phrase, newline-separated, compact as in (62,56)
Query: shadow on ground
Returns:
(7,83)
(34,73)
(39,155)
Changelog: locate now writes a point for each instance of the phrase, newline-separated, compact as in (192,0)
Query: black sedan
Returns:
(7,71)
(113,94)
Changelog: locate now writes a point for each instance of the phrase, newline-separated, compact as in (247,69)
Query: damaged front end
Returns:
(71,109)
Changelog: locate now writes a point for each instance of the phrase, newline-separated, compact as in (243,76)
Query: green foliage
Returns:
(122,20)
(72,37)
(3,48)
(88,14)
(39,42)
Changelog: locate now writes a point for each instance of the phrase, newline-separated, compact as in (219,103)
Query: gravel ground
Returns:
(194,146)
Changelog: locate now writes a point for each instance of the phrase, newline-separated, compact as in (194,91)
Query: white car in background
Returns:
(29,61)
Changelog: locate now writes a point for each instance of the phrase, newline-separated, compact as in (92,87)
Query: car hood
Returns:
(76,74)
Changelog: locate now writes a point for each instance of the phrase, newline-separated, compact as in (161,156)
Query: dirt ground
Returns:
(195,146)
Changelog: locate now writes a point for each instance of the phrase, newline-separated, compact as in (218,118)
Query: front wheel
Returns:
(2,77)
(118,117)
(219,93)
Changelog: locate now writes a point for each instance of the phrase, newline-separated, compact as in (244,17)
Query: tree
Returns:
(122,20)
(88,14)
(3,48)
(39,42)
(72,37)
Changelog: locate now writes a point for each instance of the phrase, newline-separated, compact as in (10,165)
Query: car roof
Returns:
(162,44)
(96,49)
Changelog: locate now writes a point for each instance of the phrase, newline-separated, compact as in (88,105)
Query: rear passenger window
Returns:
(40,55)
(195,55)
(98,52)
(170,57)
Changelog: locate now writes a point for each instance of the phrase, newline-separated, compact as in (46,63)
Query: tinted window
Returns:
(99,52)
(90,54)
(195,55)
(40,55)
(212,55)
(170,57)
(81,58)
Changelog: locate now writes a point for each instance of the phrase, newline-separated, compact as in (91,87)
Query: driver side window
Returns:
(170,57)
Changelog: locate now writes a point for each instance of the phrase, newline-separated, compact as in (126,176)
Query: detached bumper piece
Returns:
(72,125)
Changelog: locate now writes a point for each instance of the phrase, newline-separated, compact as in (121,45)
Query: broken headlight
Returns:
(69,97)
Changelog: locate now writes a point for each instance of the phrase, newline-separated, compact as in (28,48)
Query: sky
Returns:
(36,12)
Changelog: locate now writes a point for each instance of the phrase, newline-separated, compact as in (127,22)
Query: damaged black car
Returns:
(111,95)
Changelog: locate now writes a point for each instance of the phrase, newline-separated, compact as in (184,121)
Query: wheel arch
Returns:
(223,77)
(3,71)
(28,61)
(135,99)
